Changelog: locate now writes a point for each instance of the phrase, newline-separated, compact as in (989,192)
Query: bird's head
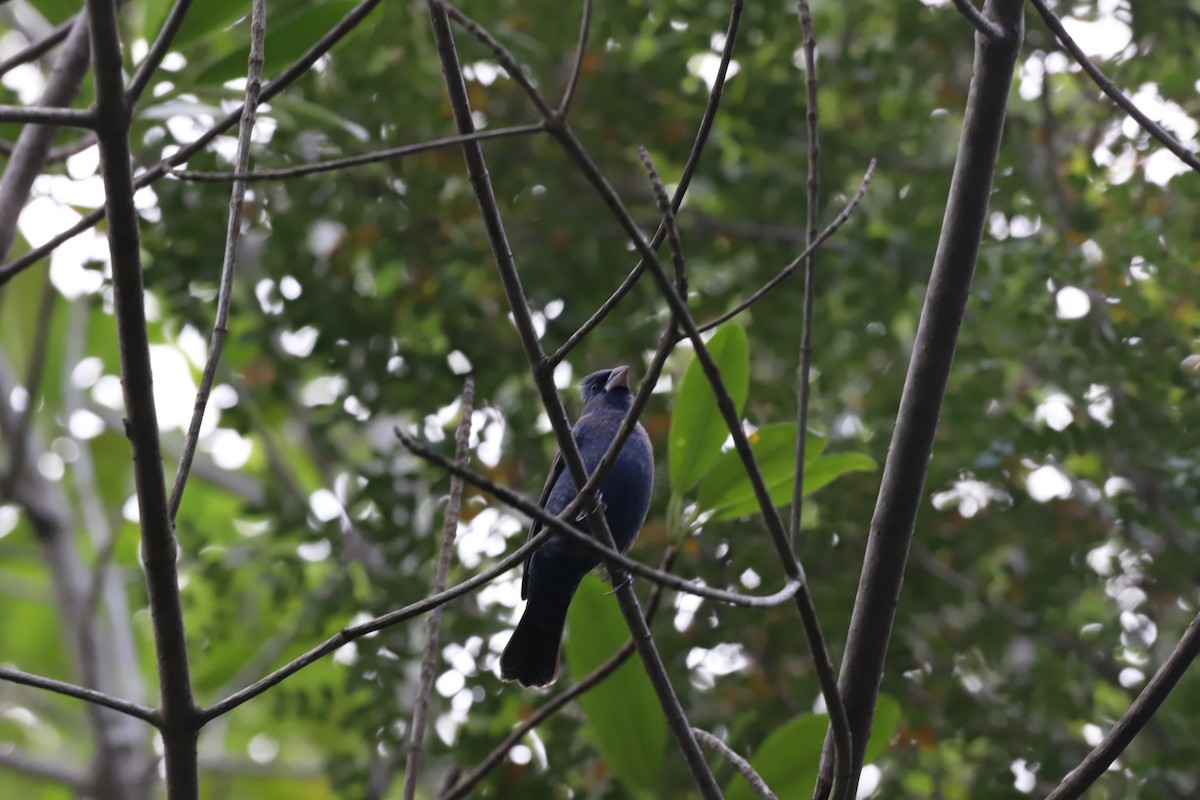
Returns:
(609,384)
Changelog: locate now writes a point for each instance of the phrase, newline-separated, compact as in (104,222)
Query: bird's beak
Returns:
(619,377)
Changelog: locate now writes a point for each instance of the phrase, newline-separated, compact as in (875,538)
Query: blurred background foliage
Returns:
(1055,561)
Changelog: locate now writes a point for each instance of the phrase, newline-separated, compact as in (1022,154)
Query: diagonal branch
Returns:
(1104,754)
(978,21)
(685,180)
(1109,88)
(233,230)
(289,76)
(36,49)
(606,552)
(757,784)
(158,51)
(352,632)
(820,239)
(80,693)
(354,161)
(577,66)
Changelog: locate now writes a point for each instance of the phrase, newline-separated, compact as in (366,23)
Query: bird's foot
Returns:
(625,580)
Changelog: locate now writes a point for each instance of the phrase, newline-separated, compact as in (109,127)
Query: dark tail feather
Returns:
(531,657)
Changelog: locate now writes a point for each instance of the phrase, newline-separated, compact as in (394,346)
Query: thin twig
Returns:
(902,485)
(843,745)
(830,229)
(685,180)
(36,49)
(352,632)
(757,784)
(814,187)
(48,115)
(577,66)
(463,786)
(354,161)
(298,69)
(1104,754)
(33,145)
(233,231)
(566,137)
(162,43)
(159,548)
(1109,88)
(433,623)
(481,183)
(978,21)
(58,153)
(606,552)
(80,693)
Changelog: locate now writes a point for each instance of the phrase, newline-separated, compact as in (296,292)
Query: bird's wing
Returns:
(556,468)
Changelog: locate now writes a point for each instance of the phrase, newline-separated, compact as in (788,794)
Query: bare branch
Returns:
(80,693)
(606,552)
(1109,88)
(757,784)
(830,229)
(289,76)
(36,49)
(978,21)
(47,115)
(233,230)
(791,564)
(352,632)
(158,50)
(33,381)
(925,386)
(33,145)
(1104,754)
(685,180)
(159,549)
(433,623)
(577,66)
(543,376)
(355,161)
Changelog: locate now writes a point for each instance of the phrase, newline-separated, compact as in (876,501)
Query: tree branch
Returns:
(477,172)
(978,21)
(606,552)
(1109,88)
(48,115)
(757,784)
(1104,754)
(577,66)
(354,161)
(159,549)
(685,180)
(289,76)
(158,51)
(80,693)
(925,386)
(36,49)
(352,632)
(233,230)
(433,623)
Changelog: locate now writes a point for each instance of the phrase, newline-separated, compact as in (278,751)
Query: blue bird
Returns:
(554,570)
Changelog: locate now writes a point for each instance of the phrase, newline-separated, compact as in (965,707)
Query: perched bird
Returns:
(554,570)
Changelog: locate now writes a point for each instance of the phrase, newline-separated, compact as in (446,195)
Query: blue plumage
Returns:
(554,570)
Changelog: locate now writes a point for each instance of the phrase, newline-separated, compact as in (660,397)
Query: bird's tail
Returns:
(531,656)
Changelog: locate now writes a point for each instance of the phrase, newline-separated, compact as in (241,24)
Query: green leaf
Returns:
(697,427)
(818,473)
(787,759)
(623,717)
(774,447)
